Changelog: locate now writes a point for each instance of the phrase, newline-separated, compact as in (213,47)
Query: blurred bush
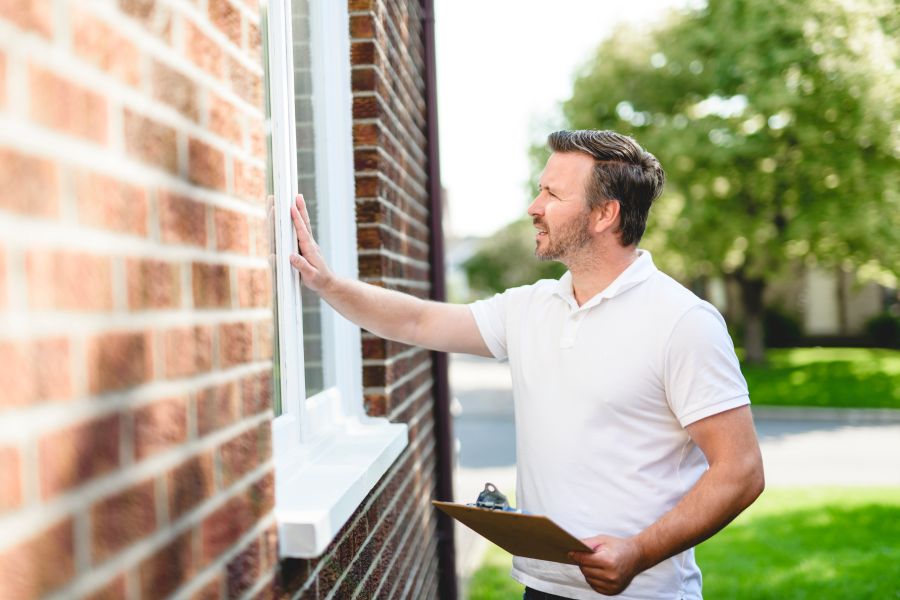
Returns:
(884,330)
(781,330)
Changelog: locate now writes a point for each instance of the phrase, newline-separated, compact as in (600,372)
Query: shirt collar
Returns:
(637,272)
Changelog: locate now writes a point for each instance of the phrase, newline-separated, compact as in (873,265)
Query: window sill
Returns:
(318,489)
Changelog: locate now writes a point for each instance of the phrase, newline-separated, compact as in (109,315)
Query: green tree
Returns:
(506,260)
(776,122)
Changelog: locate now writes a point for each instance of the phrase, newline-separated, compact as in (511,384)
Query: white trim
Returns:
(328,453)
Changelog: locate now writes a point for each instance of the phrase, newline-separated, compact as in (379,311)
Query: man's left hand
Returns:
(611,566)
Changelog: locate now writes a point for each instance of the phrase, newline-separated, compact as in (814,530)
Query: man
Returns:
(632,418)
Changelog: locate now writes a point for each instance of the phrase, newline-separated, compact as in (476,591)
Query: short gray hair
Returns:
(623,171)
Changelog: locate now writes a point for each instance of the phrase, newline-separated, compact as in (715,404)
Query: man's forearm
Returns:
(718,497)
(386,313)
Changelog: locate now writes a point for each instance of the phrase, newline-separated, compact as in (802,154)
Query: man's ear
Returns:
(606,216)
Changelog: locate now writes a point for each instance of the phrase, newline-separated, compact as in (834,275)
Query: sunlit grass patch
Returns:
(808,543)
(827,377)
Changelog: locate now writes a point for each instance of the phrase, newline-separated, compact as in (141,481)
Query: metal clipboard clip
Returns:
(493,499)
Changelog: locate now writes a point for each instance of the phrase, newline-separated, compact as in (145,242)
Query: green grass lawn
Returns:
(827,377)
(808,543)
(805,543)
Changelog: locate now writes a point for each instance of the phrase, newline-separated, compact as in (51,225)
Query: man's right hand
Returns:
(314,272)
(387,313)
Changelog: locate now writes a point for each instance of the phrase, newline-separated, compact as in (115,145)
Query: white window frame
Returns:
(328,453)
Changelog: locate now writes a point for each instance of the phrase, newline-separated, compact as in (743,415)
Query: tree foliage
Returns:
(776,122)
(506,260)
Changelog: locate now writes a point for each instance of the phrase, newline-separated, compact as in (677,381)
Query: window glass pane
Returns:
(306,165)
(270,191)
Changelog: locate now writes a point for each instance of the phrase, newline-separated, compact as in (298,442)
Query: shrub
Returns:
(884,330)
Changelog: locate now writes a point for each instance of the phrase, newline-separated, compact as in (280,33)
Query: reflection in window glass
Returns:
(270,215)
(306,165)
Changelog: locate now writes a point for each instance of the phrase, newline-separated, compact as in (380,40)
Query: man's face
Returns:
(560,212)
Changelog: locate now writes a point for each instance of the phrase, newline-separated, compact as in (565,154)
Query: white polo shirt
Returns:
(602,394)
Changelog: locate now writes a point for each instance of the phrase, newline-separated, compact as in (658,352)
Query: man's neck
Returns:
(593,272)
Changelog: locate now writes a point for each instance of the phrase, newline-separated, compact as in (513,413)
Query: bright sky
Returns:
(504,66)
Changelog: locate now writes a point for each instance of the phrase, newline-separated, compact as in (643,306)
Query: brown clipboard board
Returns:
(530,536)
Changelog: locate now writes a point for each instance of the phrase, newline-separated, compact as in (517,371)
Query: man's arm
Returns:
(734,480)
(386,313)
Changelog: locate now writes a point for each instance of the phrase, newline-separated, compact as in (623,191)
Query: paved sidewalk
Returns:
(800,447)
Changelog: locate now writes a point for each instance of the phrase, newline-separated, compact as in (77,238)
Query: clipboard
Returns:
(529,536)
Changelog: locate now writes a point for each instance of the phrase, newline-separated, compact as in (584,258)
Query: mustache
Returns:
(538,221)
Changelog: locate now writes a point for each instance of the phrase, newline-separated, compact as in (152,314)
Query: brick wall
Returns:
(135,309)
(135,329)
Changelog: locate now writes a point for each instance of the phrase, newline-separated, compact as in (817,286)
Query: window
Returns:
(328,452)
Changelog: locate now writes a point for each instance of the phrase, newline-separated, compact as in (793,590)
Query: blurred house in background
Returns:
(141,368)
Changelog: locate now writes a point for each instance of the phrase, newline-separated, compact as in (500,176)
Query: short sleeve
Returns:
(702,373)
(491,318)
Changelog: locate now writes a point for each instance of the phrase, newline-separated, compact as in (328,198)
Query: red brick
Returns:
(67,107)
(107,203)
(113,590)
(243,570)
(155,16)
(221,529)
(204,52)
(232,234)
(245,83)
(188,351)
(206,165)
(362,26)
(175,89)
(51,369)
(254,41)
(34,371)
(100,44)
(64,280)
(225,119)
(119,360)
(16,378)
(245,452)
(254,287)
(153,284)
(77,454)
(235,344)
(182,220)
(257,138)
(151,142)
(28,185)
(122,519)
(40,565)
(261,496)
(268,540)
(169,568)
(217,407)
(30,15)
(256,393)
(190,484)
(159,426)
(210,591)
(10,478)
(226,18)
(211,285)
(249,182)
(264,341)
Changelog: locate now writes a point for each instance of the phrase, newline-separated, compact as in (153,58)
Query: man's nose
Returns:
(536,207)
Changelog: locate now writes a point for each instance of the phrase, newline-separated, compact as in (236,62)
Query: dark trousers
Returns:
(532,594)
